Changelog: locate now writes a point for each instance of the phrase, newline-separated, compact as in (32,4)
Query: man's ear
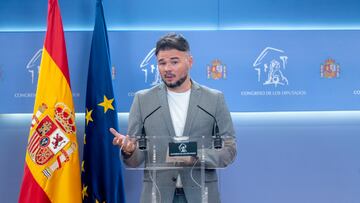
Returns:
(190,61)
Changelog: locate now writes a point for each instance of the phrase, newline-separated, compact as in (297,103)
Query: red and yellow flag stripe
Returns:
(52,169)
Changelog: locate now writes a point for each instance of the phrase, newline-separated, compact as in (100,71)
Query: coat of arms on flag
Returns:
(50,137)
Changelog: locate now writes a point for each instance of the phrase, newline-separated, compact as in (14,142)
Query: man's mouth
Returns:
(169,76)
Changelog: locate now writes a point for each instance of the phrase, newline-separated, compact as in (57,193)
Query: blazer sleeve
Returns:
(134,129)
(220,158)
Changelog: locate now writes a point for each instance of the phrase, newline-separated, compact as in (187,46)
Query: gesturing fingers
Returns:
(114,132)
(118,138)
(125,143)
(128,145)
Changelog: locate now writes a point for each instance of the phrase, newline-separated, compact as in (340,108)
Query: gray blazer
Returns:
(198,126)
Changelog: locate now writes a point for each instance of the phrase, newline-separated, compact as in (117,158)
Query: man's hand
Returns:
(126,144)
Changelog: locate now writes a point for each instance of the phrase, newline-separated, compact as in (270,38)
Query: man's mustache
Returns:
(169,75)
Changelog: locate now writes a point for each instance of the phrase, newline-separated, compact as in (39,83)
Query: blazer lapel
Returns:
(162,93)
(192,109)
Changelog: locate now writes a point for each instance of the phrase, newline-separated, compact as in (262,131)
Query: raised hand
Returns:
(126,144)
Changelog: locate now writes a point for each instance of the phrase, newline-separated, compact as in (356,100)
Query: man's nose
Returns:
(168,66)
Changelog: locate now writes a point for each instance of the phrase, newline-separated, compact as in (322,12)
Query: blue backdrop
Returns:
(283,157)
(257,70)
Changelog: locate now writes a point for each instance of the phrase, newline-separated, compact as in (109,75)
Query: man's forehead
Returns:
(171,54)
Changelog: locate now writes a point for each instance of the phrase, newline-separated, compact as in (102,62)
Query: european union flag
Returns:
(101,167)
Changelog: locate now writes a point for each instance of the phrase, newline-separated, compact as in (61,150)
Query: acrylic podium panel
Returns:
(170,164)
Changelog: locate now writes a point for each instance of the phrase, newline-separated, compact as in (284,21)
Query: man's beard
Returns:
(177,83)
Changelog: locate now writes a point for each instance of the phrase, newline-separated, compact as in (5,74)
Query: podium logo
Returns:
(33,66)
(330,69)
(270,66)
(150,69)
(216,70)
(182,148)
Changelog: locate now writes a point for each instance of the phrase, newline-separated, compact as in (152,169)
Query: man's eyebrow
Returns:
(172,58)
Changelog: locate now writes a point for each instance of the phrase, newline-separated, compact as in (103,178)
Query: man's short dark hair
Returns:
(172,41)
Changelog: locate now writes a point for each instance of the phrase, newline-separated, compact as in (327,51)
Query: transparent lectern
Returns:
(182,163)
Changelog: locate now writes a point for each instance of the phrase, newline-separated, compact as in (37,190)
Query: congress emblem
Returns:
(216,70)
(330,69)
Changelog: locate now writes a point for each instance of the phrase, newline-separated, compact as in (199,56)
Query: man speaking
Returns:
(190,125)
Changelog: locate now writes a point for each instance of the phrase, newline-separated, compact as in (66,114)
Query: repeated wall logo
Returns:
(270,66)
(33,66)
(32,69)
(216,70)
(149,67)
(330,69)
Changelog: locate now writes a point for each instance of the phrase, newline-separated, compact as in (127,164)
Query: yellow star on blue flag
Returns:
(88,116)
(107,104)
(84,192)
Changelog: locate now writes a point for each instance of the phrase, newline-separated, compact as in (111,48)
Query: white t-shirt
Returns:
(178,105)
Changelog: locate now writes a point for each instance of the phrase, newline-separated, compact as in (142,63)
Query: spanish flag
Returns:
(52,169)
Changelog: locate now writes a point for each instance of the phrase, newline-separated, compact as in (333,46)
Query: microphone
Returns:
(217,139)
(142,140)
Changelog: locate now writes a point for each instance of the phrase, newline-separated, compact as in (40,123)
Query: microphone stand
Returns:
(142,141)
(217,138)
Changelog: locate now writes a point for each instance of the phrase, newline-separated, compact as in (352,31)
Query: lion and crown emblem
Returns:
(50,140)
